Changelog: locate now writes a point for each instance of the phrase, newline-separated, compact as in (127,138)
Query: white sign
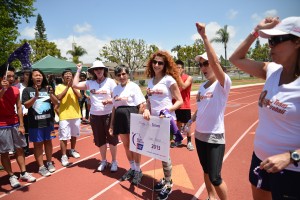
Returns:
(150,138)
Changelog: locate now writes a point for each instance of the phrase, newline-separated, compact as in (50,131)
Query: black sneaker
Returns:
(161,184)
(128,175)
(173,144)
(164,193)
(137,177)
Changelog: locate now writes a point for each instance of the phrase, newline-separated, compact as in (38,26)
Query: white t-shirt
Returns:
(160,95)
(278,129)
(211,103)
(129,95)
(99,93)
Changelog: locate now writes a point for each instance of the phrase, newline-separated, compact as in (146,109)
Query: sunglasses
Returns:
(204,64)
(122,74)
(159,62)
(273,41)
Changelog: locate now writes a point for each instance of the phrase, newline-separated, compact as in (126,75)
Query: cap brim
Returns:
(267,33)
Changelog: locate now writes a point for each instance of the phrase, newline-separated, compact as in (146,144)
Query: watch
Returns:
(295,157)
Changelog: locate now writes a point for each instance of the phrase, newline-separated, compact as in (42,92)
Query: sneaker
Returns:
(128,175)
(64,161)
(74,153)
(102,166)
(190,146)
(161,184)
(164,193)
(27,177)
(172,145)
(44,171)
(50,167)
(114,166)
(14,183)
(137,177)
(178,143)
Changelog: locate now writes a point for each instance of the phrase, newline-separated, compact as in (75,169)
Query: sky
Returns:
(92,24)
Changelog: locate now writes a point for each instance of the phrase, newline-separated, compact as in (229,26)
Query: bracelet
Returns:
(255,34)
(78,70)
(35,98)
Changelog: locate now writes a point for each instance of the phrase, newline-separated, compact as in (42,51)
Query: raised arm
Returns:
(239,59)
(211,54)
(76,83)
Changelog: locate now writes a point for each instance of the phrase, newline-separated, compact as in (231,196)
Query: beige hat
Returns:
(97,64)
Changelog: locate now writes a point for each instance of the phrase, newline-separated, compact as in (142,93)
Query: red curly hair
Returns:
(170,67)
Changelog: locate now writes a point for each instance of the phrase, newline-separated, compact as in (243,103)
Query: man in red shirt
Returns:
(12,127)
(183,114)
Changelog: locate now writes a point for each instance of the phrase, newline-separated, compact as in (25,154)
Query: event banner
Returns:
(150,138)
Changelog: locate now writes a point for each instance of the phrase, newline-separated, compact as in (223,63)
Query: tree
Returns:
(40,29)
(11,13)
(260,53)
(76,53)
(130,52)
(222,37)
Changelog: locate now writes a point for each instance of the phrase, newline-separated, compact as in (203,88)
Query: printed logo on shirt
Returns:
(93,91)
(207,95)
(276,105)
(156,91)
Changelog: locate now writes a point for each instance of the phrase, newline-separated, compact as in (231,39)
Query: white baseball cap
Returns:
(290,25)
(203,56)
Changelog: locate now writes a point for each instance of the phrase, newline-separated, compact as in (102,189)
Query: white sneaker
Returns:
(27,177)
(14,181)
(102,165)
(44,171)
(64,161)
(114,166)
(74,153)
(50,167)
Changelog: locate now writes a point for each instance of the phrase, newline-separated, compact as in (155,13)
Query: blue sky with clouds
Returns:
(165,23)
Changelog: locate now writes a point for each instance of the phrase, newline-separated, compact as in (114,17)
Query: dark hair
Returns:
(82,75)
(94,77)
(120,68)
(25,71)
(179,62)
(58,80)
(3,69)
(44,83)
(65,71)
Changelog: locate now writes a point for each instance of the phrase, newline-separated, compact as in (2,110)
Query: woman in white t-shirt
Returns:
(162,87)
(275,171)
(209,116)
(127,98)
(101,88)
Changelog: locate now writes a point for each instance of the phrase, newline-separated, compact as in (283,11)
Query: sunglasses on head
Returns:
(273,41)
(204,64)
(159,62)
(121,74)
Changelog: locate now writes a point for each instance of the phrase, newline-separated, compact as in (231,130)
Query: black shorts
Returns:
(100,126)
(282,185)
(122,119)
(183,115)
(211,159)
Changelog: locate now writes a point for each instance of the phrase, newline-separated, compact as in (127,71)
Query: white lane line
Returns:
(115,183)
(202,187)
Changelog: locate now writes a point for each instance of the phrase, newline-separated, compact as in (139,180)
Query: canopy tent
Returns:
(52,65)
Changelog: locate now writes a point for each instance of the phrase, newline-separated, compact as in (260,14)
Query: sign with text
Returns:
(150,138)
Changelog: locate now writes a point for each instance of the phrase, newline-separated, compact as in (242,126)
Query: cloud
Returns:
(82,28)
(28,33)
(211,29)
(89,42)
(271,13)
(232,14)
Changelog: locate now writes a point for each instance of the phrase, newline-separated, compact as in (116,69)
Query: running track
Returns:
(82,181)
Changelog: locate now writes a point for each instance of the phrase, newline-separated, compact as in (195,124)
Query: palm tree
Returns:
(76,53)
(222,37)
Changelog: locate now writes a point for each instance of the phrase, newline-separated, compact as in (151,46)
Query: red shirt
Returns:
(8,114)
(186,94)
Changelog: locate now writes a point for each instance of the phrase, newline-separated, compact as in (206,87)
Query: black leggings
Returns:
(211,159)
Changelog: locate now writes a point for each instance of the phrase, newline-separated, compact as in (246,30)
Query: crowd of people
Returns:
(27,113)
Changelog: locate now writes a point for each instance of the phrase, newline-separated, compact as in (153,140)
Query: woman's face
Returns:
(99,72)
(158,65)
(37,78)
(206,69)
(122,77)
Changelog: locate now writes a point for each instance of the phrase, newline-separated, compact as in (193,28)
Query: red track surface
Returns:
(82,181)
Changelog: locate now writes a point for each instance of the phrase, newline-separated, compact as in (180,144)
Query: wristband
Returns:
(35,98)
(78,70)
(254,34)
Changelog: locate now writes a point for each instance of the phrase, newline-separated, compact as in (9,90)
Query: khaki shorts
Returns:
(11,139)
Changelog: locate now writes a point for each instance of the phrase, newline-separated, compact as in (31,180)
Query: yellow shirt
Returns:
(69,106)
